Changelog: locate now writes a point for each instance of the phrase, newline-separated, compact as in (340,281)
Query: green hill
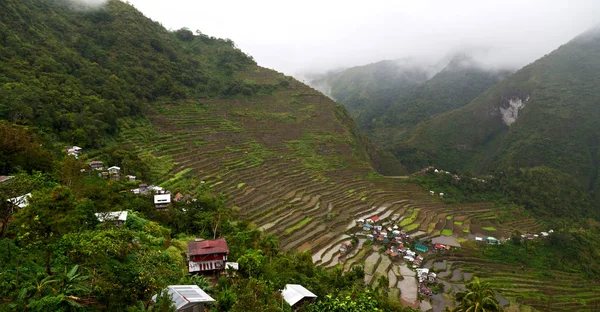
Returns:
(75,73)
(195,115)
(372,87)
(389,98)
(546,114)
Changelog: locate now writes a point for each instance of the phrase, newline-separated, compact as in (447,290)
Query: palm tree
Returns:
(478,297)
(60,292)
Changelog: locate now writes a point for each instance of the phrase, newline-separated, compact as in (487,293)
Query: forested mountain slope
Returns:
(546,114)
(387,99)
(261,152)
(374,86)
(73,71)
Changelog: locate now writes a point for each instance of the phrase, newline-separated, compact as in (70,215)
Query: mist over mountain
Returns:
(546,114)
(387,99)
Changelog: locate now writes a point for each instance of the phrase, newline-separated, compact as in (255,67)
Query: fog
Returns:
(315,36)
(87,4)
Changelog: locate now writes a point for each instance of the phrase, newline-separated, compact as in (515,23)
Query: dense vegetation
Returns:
(545,192)
(554,197)
(388,98)
(72,72)
(56,256)
(557,127)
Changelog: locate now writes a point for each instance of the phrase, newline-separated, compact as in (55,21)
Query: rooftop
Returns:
(162,199)
(187,296)
(112,216)
(207,247)
(292,293)
(21,201)
(5,178)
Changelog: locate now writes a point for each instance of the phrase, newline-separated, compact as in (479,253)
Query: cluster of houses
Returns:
(396,242)
(394,239)
(113,172)
(209,258)
(534,236)
(425,279)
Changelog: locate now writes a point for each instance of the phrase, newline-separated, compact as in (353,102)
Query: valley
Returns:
(263,167)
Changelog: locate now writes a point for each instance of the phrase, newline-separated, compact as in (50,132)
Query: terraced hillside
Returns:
(544,290)
(288,167)
(293,172)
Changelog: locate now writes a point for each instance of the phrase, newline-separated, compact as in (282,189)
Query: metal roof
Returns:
(112,216)
(20,201)
(207,247)
(187,296)
(292,293)
(5,178)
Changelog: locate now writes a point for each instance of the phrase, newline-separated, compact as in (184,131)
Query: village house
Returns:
(187,298)
(96,165)
(295,295)
(207,256)
(367,227)
(74,151)
(130,178)
(20,201)
(345,247)
(162,201)
(117,217)
(421,248)
(373,219)
(492,240)
(115,173)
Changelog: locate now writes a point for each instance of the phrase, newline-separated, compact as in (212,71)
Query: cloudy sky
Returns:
(311,36)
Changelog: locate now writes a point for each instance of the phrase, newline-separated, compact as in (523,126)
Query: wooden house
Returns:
(207,256)
(96,165)
(162,201)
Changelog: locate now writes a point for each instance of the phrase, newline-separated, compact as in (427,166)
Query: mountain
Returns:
(273,164)
(546,114)
(376,85)
(73,71)
(389,98)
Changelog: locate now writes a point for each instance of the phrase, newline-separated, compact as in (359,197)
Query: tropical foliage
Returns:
(478,297)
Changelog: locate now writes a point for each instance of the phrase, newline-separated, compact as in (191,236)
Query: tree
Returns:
(478,297)
(19,185)
(51,214)
(252,261)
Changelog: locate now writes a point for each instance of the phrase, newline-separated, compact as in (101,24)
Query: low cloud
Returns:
(87,4)
(317,36)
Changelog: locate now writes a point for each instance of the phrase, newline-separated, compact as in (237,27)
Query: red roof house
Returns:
(207,255)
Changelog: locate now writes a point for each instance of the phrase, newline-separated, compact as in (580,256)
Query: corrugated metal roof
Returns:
(292,293)
(5,178)
(207,247)
(20,201)
(186,296)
